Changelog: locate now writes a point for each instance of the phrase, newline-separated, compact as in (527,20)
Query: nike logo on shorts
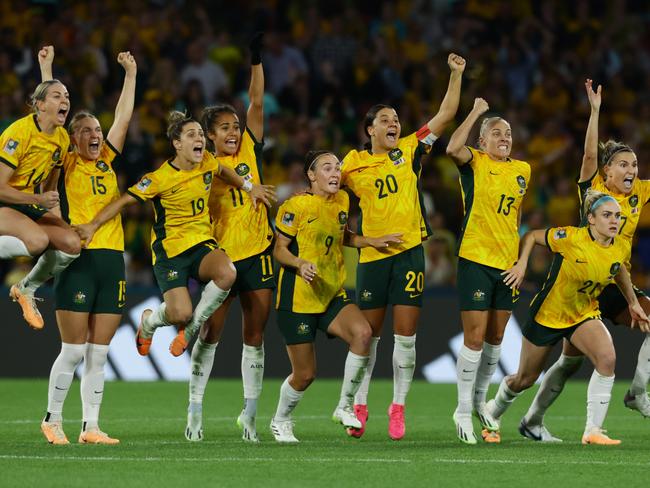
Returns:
(266,278)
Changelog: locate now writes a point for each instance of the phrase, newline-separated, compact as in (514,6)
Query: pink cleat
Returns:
(396,427)
(361,411)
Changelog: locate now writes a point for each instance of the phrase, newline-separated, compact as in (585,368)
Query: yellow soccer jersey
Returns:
(240,229)
(631,204)
(85,187)
(316,226)
(492,195)
(180,202)
(580,270)
(389,196)
(31,152)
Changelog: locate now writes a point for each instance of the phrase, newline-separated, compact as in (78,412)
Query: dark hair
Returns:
(175,123)
(609,149)
(311,158)
(77,117)
(370,118)
(40,92)
(209,118)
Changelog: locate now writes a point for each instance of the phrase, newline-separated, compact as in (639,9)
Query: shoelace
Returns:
(58,430)
(32,301)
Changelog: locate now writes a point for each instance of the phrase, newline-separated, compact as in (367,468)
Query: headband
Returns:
(599,202)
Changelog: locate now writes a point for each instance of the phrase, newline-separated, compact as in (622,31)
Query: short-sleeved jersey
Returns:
(240,229)
(581,268)
(316,227)
(85,187)
(180,202)
(631,204)
(31,152)
(387,186)
(492,195)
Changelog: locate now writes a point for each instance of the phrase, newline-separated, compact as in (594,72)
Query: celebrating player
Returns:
(243,231)
(587,259)
(620,181)
(312,229)
(91,292)
(385,177)
(493,187)
(29,149)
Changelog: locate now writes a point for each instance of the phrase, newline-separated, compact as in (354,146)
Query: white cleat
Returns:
(247,425)
(464,428)
(346,417)
(194,429)
(537,433)
(282,430)
(640,403)
(487,421)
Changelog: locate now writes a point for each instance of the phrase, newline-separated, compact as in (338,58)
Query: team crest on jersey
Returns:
(343,217)
(613,270)
(478,296)
(634,200)
(143,184)
(102,166)
(396,156)
(79,298)
(559,234)
(521,181)
(366,296)
(303,329)
(172,275)
(207,178)
(11,146)
(287,219)
(242,169)
(56,155)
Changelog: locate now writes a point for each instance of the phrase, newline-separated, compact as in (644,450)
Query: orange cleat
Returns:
(53,432)
(491,437)
(597,436)
(142,343)
(96,437)
(179,344)
(28,303)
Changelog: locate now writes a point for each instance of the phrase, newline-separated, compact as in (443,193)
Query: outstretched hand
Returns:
(127,61)
(480,106)
(456,62)
(593,96)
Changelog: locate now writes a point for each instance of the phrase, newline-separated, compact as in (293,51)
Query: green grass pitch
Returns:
(149,418)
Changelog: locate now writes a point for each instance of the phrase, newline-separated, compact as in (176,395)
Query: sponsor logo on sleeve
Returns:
(143,184)
(559,234)
(287,219)
(11,146)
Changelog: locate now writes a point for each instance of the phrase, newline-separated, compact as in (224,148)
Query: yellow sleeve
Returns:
(13,144)
(645,192)
(146,188)
(558,238)
(108,153)
(288,219)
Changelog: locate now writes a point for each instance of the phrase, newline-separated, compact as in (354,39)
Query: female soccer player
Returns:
(91,292)
(619,180)
(385,177)
(182,243)
(312,229)
(243,231)
(587,259)
(29,149)
(493,188)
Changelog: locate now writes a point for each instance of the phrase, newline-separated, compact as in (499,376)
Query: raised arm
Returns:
(515,275)
(285,257)
(124,109)
(264,193)
(456,148)
(449,105)
(87,231)
(45,60)
(255,114)
(590,157)
(624,283)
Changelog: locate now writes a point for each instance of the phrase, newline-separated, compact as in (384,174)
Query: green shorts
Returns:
(254,273)
(395,280)
(176,272)
(611,301)
(543,336)
(34,211)
(93,283)
(481,287)
(299,328)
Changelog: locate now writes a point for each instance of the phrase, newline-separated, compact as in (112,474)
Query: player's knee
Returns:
(253,338)
(474,343)
(226,277)
(362,335)
(36,243)
(304,378)
(524,381)
(178,315)
(70,243)
(606,363)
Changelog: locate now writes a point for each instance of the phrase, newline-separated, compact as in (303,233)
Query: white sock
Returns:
(551,387)
(403,367)
(51,263)
(355,369)
(503,400)
(92,384)
(155,320)
(60,379)
(288,401)
(486,368)
(211,299)
(642,373)
(361,398)
(599,392)
(466,368)
(201,367)
(252,373)
(12,247)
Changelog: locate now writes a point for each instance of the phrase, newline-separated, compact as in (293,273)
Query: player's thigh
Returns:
(350,325)
(474,326)
(73,326)
(496,326)
(218,267)
(595,341)
(16,224)
(178,305)
(60,234)
(103,327)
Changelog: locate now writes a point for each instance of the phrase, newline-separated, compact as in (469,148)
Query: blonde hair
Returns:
(486,125)
(78,117)
(609,149)
(594,199)
(40,93)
